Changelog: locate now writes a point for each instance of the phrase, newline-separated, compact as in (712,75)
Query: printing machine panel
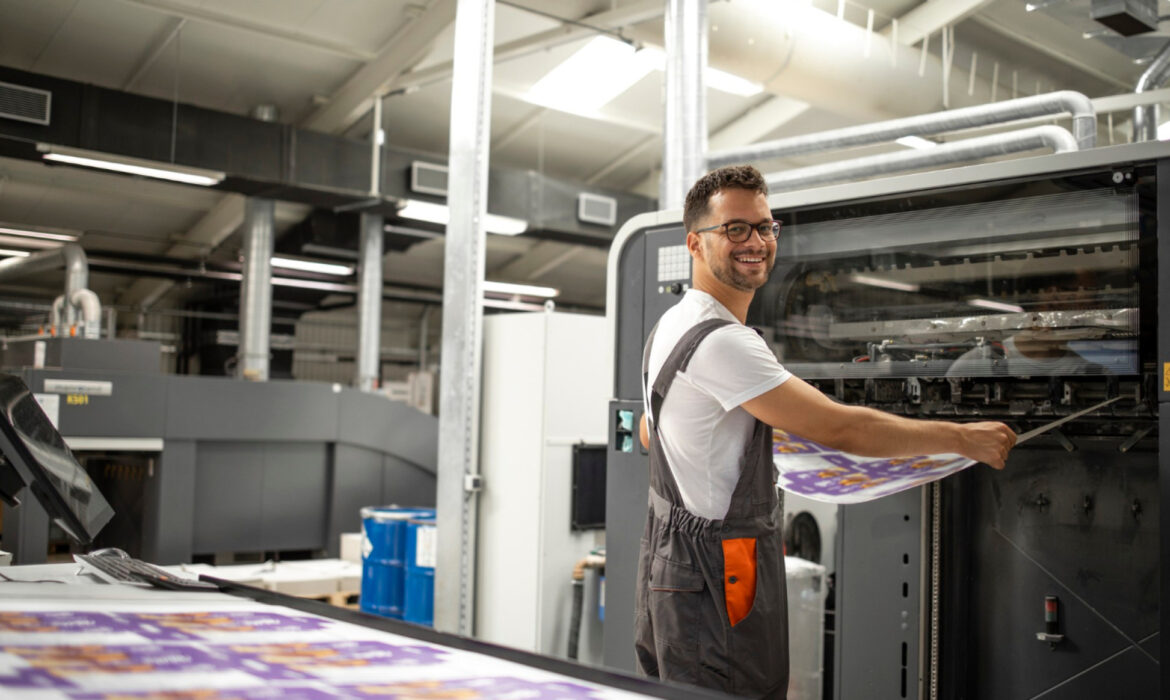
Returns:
(1019,291)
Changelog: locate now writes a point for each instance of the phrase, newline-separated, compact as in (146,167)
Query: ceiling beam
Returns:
(626,157)
(152,54)
(223,19)
(634,13)
(406,48)
(518,130)
(933,15)
(756,123)
(537,261)
(216,225)
(1038,31)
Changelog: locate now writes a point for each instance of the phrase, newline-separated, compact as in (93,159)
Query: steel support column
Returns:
(256,290)
(459,384)
(684,124)
(369,303)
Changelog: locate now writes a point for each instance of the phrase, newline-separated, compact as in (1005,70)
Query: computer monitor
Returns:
(35,455)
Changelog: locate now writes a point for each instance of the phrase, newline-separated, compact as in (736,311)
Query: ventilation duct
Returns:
(1126,17)
(25,104)
(1145,117)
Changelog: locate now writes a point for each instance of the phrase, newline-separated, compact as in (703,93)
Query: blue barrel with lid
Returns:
(421,546)
(384,558)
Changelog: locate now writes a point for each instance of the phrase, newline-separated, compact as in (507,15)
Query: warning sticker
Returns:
(1166,376)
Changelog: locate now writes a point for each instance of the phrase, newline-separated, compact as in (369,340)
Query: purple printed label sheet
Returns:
(103,650)
(824,474)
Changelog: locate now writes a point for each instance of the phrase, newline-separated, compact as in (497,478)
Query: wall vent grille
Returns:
(596,209)
(25,104)
(428,178)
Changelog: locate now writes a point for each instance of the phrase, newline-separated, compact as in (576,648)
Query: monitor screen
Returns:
(34,449)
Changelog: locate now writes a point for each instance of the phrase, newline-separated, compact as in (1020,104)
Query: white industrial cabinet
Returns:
(546,386)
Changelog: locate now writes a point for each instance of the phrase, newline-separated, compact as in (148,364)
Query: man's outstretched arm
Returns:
(799,408)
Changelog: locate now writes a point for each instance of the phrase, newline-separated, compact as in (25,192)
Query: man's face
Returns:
(744,266)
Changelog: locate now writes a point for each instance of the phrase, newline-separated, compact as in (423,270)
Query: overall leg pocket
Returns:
(676,599)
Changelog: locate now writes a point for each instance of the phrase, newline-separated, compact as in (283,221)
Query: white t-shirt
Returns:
(703,429)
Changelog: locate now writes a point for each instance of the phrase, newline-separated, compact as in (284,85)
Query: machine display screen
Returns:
(1043,285)
(33,447)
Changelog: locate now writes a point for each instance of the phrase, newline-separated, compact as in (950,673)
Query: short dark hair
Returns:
(736,177)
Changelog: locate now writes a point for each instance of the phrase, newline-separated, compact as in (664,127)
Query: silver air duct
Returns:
(1084,119)
(70,256)
(1054,137)
(684,138)
(1145,117)
(369,302)
(256,290)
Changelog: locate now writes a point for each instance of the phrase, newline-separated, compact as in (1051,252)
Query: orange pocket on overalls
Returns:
(739,577)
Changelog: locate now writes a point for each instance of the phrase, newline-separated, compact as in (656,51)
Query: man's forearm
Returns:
(874,433)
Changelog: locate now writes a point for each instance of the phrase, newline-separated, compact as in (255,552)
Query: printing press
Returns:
(1019,291)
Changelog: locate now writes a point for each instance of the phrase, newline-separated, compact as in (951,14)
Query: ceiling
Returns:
(319,62)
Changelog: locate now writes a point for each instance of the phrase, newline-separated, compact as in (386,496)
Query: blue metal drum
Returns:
(384,558)
(421,544)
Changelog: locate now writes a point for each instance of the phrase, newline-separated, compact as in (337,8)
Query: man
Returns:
(711,607)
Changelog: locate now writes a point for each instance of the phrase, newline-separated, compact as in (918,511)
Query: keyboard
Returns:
(136,572)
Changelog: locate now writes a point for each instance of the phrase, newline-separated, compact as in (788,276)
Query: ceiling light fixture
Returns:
(5,253)
(524,290)
(884,283)
(440,214)
(1164,131)
(130,166)
(915,142)
(312,266)
(715,79)
(43,235)
(595,74)
(996,306)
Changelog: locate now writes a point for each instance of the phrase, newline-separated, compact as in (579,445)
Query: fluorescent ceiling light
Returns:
(883,283)
(440,214)
(43,235)
(5,253)
(915,142)
(526,290)
(595,74)
(312,266)
(1164,131)
(130,166)
(996,305)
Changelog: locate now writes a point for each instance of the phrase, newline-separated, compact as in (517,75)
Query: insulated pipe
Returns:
(91,312)
(1054,137)
(56,312)
(1145,117)
(256,290)
(1084,119)
(684,124)
(70,256)
(369,302)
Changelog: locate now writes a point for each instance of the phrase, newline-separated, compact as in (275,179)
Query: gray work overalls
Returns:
(696,619)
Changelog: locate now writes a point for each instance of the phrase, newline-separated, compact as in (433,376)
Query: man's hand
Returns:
(988,442)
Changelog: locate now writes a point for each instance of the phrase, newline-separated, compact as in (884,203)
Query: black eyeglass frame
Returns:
(763,228)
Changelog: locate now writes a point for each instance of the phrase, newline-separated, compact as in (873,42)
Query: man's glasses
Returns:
(740,231)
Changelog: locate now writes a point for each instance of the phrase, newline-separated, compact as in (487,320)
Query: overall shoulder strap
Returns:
(679,358)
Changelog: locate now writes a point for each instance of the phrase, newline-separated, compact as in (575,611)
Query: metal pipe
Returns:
(1054,137)
(91,312)
(1084,123)
(71,256)
(369,302)
(456,489)
(256,290)
(56,313)
(1145,117)
(684,124)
